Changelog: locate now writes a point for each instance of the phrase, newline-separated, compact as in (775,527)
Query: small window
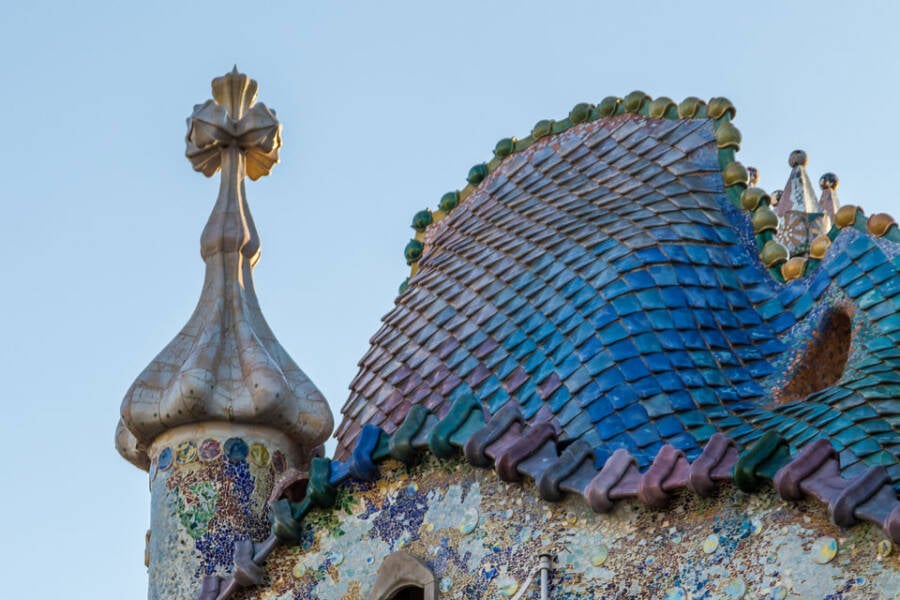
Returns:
(403,577)
(412,592)
(822,363)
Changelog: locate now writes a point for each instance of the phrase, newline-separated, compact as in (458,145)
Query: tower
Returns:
(222,412)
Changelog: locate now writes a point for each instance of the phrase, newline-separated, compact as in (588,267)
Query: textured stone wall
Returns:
(481,537)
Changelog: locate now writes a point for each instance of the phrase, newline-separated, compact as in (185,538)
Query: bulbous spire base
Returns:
(226,365)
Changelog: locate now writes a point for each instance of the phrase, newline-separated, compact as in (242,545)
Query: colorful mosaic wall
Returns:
(206,496)
(481,537)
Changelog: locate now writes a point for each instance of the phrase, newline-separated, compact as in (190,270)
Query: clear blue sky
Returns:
(385,106)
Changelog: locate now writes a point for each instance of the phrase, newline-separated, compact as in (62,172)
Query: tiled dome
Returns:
(603,276)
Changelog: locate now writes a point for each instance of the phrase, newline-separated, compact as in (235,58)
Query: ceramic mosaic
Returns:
(206,496)
(481,537)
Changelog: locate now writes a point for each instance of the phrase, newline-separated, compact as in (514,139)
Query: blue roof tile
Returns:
(627,296)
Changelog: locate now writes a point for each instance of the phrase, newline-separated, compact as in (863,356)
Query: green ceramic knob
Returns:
(634,101)
(580,113)
(449,201)
(689,107)
(542,128)
(608,106)
(717,108)
(421,220)
(659,107)
(505,147)
(728,136)
(413,251)
(764,219)
(477,174)
(773,254)
(752,197)
(735,174)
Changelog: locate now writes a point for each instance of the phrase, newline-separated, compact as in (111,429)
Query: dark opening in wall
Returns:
(402,576)
(409,593)
(822,365)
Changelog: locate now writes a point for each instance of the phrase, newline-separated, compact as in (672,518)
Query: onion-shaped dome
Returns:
(225,364)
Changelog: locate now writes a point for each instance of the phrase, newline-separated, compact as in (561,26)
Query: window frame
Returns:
(399,570)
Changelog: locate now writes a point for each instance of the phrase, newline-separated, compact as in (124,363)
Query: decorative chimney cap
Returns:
(754,176)
(798,158)
(226,365)
(798,194)
(829,181)
(829,200)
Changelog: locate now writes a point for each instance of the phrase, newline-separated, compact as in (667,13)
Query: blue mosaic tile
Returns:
(236,449)
(613,333)
(849,275)
(858,247)
(164,461)
(881,273)
(837,264)
(782,322)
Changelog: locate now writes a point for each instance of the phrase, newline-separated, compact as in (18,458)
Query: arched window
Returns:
(403,577)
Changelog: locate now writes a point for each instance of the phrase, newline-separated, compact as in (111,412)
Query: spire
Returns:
(226,365)
(800,217)
(829,201)
(798,193)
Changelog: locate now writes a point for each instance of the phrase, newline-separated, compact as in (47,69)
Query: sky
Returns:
(385,106)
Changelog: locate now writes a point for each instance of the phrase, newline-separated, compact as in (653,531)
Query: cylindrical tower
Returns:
(222,412)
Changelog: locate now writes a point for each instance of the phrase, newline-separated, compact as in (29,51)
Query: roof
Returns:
(613,274)
(605,309)
(517,450)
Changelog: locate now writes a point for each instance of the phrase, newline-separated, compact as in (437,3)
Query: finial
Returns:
(754,176)
(829,200)
(226,364)
(798,193)
(798,158)
(797,202)
(829,181)
(233,118)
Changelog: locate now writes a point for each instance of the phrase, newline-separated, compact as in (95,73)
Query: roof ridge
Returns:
(735,177)
(719,110)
